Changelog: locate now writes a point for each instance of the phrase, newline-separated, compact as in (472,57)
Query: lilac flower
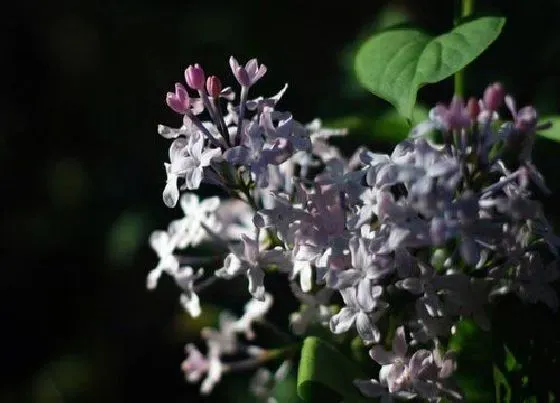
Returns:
(314,309)
(194,76)
(250,261)
(262,384)
(406,377)
(195,365)
(364,309)
(170,193)
(255,310)
(184,276)
(199,216)
(493,96)
(248,75)
(163,245)
(281,216)
(532,281)
(191,165)
(257,154)
(455,117)
(260,103)
(223,339)
(233,219)
(215,369)
(181,103)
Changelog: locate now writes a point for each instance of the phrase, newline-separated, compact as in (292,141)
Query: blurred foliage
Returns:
(82,168)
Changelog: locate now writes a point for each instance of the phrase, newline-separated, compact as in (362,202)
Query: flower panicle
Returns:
(452,224)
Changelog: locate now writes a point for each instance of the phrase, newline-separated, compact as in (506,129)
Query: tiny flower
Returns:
(213,86)
(170,192)
(215,369)
(197,157)
(225,337)
(474,108)
(255,310)
(493,96)
(249,260)
(314,309)
(248,75)
(195,365)
(181,103)
(263,382)
(199,216)
(360,311)
(194,76)
(454,117)
(163,245)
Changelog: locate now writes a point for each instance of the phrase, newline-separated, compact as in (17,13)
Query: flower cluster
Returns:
(427,235)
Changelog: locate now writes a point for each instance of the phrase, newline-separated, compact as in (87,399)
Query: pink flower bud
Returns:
(493,96)
(214,86)
(473,107)
(194,76)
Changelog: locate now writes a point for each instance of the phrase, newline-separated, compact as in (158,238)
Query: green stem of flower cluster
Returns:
(265,357)
(466,8)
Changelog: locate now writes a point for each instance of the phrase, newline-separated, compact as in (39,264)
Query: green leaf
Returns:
(388,126)
(503,390)
(474,371)
(326,375)
(392,126)
(395,63)
(552,133)
(511,363)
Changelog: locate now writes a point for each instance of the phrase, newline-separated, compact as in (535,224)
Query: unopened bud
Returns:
(214,86)
(473,107)
(194,76)
(493,96)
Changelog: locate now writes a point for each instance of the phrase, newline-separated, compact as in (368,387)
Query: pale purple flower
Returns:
(170,192)
(281,216)
(363,309)
(255,311)
(405,377)
(314,309)
(260,103)
(199,216)
(248,260)
(532,281)
(224,338)
(262,384)
(454,117)
(163,245)
(195,365)
(248,75)
(191,166)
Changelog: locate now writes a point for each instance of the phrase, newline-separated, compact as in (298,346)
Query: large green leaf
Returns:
(325,375)
(395,63)
(552,133)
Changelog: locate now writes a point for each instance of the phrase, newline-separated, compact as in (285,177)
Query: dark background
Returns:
(81,165)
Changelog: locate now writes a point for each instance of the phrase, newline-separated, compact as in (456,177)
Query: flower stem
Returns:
(466,8)
(266,356)
(242,101)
